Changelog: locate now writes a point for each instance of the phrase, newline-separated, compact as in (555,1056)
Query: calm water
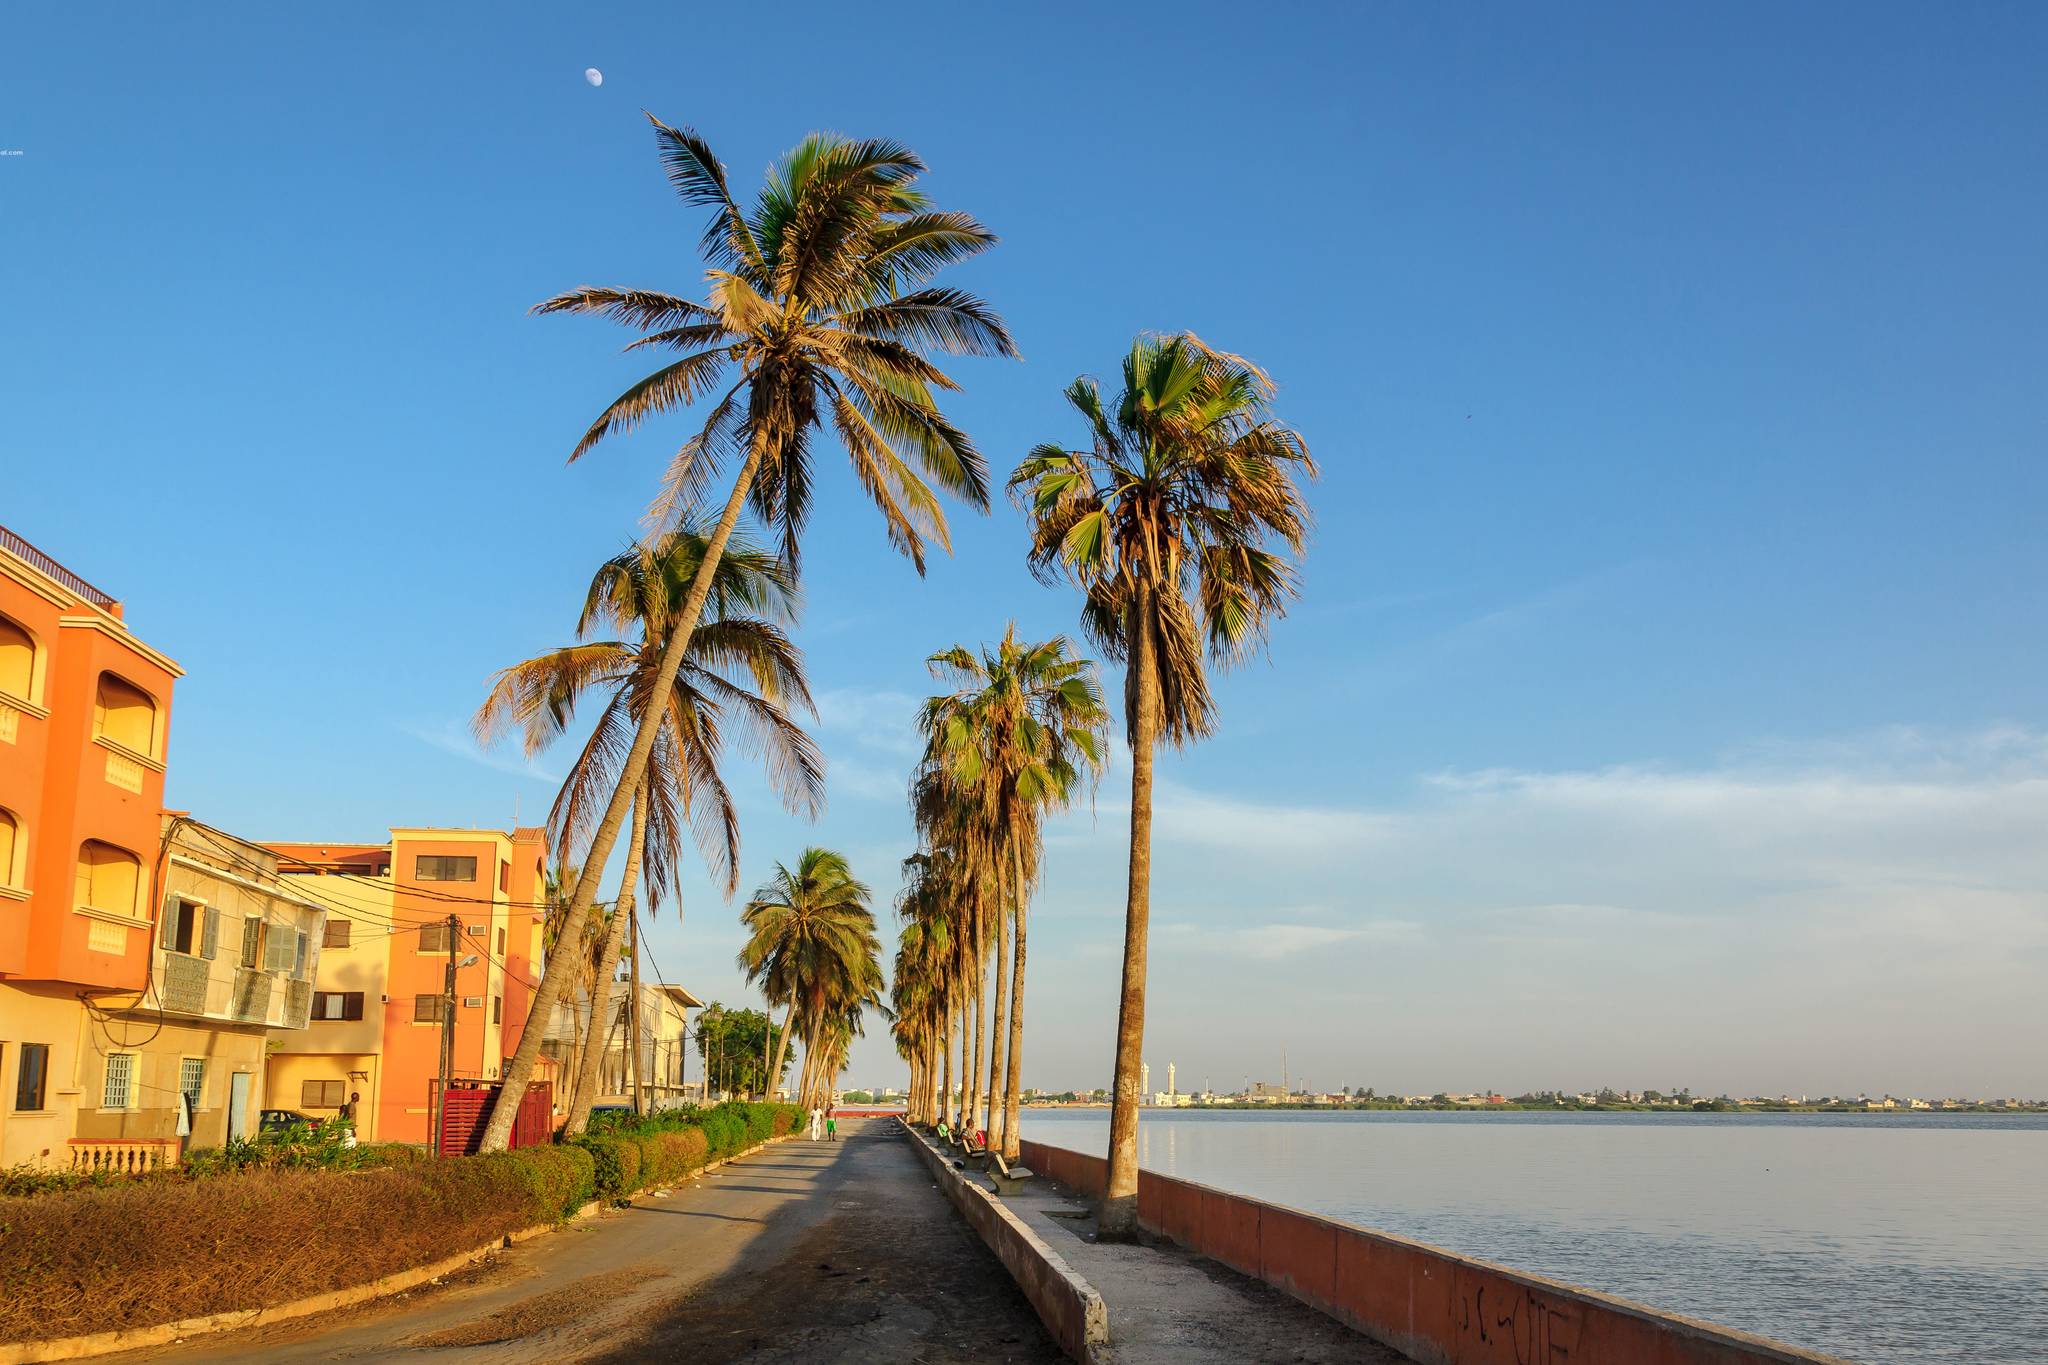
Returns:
(1876,1238)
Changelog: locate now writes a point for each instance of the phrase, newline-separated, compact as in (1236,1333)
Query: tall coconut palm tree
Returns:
(741,673)
(558,886)
(812,944)
(914,998)
(963,872)
(820,310)
(1178,521)
(921,985)
(940,928)
(1021,731)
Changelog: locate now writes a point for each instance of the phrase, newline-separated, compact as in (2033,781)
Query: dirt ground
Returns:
(892,1275)
(811,1252)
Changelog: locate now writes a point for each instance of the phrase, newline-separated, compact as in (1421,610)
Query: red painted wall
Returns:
(1432,1305)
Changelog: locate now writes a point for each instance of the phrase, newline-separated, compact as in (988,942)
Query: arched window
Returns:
(125,714)
(12,852)
(109,878)
(17,661)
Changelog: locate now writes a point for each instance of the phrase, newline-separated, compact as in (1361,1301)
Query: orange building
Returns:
(85,712)
(397,913)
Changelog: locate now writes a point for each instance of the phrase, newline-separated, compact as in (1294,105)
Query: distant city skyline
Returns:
(1668,691)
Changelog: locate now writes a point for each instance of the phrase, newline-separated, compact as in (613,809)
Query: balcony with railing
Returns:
(122,1156)
(51,569)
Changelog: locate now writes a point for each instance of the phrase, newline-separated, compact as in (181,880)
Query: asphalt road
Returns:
(804,1252)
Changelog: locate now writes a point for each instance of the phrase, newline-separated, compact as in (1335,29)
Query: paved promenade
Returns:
(801,1253)
(1168,1306)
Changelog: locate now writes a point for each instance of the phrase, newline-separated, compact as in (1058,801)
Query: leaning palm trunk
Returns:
(956,1092)
(974,1073)
(774,1076)
(519,1074)
(608,967)
(996,1030)
(1118,1218)
(944,1105)
(1012,1089)
(575,1062)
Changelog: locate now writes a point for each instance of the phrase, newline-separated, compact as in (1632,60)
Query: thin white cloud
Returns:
(1870,912)
(1270,942)
(884,721)
(866,780)
(452,737)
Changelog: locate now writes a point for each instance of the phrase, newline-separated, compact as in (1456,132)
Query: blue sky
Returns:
(1665,703)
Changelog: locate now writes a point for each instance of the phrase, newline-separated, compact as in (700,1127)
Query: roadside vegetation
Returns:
(167,1247)
(270,1222)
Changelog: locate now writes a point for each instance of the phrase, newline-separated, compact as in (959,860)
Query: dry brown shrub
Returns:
(163,1250)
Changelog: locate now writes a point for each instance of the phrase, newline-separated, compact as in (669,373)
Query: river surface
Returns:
(1883,1239)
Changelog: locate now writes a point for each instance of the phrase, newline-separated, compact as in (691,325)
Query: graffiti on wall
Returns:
(1511,1322)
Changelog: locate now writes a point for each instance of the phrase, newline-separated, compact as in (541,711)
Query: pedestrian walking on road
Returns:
(817,1118)
(831,1127)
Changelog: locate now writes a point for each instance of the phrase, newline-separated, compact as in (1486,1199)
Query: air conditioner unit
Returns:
(479,930)
(472,1002)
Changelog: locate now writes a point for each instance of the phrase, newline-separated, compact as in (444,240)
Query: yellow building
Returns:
(664,1024)
(403,912)
(180,1063)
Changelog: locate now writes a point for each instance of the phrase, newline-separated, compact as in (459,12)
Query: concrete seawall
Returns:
(1067,1304)
(1432,1305)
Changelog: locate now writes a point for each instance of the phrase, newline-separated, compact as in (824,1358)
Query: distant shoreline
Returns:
(1673,1110)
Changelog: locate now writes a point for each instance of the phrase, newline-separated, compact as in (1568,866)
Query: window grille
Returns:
(120,1088)
(192,1079)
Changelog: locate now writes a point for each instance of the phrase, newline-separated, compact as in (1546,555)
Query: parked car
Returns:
(277,1120)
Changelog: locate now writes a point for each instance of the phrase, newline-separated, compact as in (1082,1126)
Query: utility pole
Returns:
(447,1033)
(633,1004)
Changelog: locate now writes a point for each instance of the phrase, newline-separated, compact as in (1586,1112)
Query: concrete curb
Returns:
(163,1334)
(1435,1306)
(1067,1304)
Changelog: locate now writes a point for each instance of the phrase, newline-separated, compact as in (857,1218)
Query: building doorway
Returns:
(238,1105)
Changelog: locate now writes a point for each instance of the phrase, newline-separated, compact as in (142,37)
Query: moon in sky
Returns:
(593,75)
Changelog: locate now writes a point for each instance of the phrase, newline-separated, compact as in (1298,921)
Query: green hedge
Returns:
(632,1152)
(615,1163)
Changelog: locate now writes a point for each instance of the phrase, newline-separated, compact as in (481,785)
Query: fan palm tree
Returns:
(1178,522)
(811,944)
(916,996)
(1021,731)
(964,875)
(933,934)
(928,978)
(819,310)
(741,672)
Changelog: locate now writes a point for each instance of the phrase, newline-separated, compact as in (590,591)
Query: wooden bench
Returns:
(1008,1179)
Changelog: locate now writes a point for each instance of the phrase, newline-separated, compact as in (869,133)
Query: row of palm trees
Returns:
(813,949)
(1020,733)
(1178,518)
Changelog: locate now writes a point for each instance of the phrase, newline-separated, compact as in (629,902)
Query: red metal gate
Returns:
(466,1111)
